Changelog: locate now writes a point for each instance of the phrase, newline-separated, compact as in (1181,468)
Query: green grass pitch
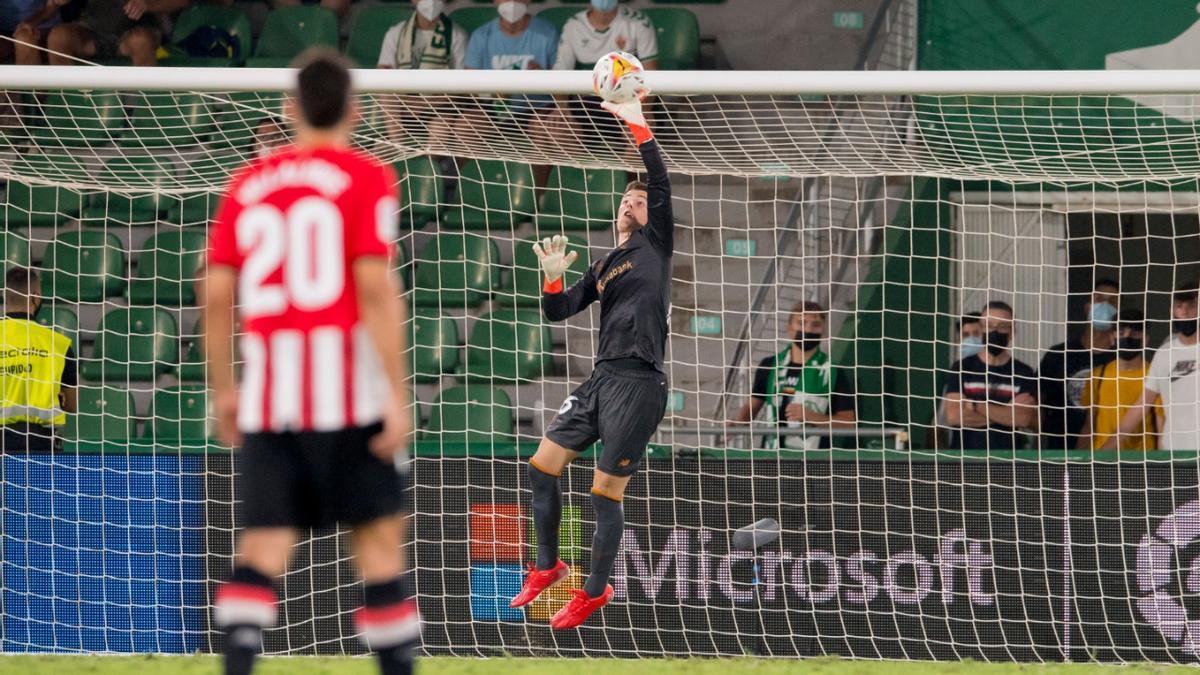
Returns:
(197,665)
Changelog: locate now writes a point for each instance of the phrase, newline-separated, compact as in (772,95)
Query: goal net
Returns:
(898,202)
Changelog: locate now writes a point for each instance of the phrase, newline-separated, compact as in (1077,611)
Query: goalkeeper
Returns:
(623,401)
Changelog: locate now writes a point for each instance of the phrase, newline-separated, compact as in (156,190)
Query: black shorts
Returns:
(620,408)
(315,479)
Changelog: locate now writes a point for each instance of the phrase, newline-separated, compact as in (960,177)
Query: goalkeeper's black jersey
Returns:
(632,282)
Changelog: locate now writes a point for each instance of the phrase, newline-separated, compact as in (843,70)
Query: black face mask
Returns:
(1129,348)
(807,341)
(1185,327)
(997,342)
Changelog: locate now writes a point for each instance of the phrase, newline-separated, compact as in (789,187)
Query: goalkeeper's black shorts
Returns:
(315,479)
(620,407)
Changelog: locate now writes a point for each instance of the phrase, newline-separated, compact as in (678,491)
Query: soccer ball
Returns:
(617,77)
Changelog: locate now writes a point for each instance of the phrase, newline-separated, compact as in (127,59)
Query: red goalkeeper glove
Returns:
(631,113)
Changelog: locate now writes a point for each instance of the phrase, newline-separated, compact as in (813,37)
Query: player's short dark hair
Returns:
(968,319)
(634,185)
(808,307)
(1186,292)
(322,87)
(20,280)
(1000,305)
(1106,282)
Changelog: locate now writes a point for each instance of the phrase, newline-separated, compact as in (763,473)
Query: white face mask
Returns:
(513,11)
(430,9)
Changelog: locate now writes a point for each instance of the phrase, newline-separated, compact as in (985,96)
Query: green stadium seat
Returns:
(178,414)
(135,344)
(471,413)
(83,266)
(104,414)
(509,346)
(580,199)
(193,368)
(162,119)
(142,175)
(404,264)
(370,25)
(79,118)
(229,19)
(434,347)
(239,119)
(166,268)
(16,248)
(523,284)
(421,188)
(470,18)
(495,195)
(289,31)
(47,203)
(559,15)
(62,319)
(678,35)
(456,270)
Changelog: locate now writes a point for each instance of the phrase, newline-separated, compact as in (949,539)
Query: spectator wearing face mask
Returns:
(515,40)
(990,397)
(1066,369)
(602,28)
(1116,387)
(800,386)
(427,40)
(970,335)
(1175,378)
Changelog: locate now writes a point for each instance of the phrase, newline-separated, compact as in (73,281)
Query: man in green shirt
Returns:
(800,386)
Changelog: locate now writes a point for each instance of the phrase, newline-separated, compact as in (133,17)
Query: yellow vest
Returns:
(32,358)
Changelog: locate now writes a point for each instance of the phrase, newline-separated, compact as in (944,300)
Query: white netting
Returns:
(898,213)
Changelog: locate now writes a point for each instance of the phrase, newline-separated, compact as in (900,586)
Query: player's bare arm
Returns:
(382,314)
(220,291)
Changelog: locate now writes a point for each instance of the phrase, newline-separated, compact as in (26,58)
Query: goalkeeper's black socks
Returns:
(390,625)
(547,513)
(610,524)
(244,606)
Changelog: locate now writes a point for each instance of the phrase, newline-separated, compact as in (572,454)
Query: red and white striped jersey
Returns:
(292,225)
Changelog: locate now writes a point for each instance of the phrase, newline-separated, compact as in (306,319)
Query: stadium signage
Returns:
(817,576)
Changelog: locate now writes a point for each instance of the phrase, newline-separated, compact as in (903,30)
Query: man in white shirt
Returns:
(427,40)
(602,28)
(1175,377)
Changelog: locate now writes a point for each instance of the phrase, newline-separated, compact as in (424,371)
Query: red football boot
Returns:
(539,580)
(580,608)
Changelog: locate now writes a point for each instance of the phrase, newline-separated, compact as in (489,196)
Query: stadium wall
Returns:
(1027,557)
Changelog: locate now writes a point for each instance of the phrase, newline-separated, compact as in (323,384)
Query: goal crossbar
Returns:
(778,83)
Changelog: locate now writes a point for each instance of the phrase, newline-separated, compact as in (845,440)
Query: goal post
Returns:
(899,201)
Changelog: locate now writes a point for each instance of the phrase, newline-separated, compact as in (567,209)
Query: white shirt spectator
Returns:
(581,45)
(458,46)
(1175,376)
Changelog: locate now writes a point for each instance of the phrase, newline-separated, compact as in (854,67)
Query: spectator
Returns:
(427,40)
(1116,387)
(990,396)
(800,386)
(1067,367)
(338,7)
(104,29)
(970,335)
(37,369)
(20,16)
(602,28)
(515,40)
(1175,379)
